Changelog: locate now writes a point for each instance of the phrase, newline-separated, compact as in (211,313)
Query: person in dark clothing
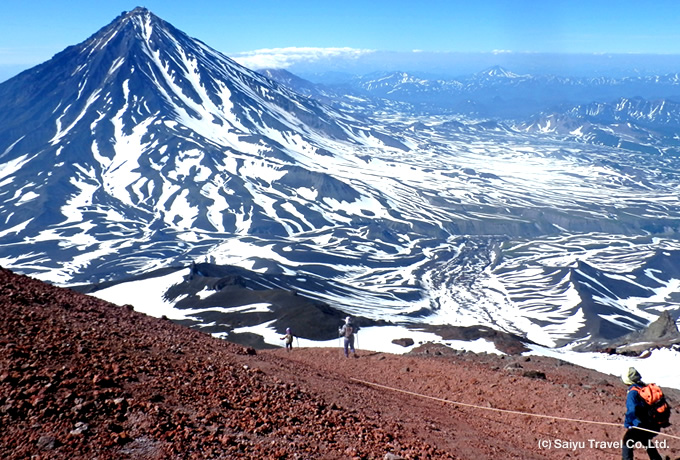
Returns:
(347,331)
(635,419)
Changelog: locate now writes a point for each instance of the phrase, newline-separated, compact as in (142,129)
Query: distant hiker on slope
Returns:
(646,408)
(347,331)
(289,339)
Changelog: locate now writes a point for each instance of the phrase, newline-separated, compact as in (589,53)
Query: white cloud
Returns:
(281,58)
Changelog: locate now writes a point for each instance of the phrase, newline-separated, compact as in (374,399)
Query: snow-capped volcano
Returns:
(142,130)
(142,148)
(497,72)
(140,108)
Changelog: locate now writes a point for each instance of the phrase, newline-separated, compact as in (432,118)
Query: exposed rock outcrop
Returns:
(661,333)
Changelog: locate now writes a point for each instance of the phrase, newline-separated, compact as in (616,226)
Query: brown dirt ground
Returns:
(490,381)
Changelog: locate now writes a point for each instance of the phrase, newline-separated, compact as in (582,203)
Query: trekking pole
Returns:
(297,341)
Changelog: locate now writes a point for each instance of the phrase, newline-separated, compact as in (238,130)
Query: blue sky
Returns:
(31,31)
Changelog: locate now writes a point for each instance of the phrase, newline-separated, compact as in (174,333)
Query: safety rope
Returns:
(507,411)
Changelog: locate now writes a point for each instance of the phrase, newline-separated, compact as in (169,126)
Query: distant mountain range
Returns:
(645,126)
(523,204)
(492,93)
(636,113)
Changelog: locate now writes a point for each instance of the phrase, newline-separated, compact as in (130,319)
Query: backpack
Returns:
(349,330)
(658,411)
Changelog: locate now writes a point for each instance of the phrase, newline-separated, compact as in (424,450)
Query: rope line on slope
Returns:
(507,411)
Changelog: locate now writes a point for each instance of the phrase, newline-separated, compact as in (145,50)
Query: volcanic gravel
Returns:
(83,378)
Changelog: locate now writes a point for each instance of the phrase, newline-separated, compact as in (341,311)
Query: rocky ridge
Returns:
(661,333)
(82,378)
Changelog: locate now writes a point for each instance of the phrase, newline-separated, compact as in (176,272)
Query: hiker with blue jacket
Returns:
(347,331)
(636,418)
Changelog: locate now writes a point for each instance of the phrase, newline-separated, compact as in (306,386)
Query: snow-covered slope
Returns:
(143,148)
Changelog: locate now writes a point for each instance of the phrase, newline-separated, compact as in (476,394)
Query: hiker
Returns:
(637,417)
(289,339)
(347,331)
